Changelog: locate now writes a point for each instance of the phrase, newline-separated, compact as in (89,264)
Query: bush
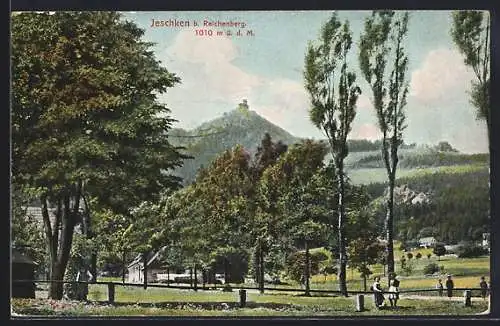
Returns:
(431,269)
(471,251)
(296,262)
(429,256)
(409,255)
(439,249)
(418,256)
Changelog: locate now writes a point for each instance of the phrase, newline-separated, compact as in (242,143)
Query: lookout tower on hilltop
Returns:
(243,105)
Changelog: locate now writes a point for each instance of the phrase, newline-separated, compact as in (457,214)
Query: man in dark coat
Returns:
(449,286)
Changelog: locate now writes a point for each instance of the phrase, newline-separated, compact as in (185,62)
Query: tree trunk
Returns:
(62,244)
(168,276)
(195,278)
(341,232)
(256,260)
(93,266)
(123,266)
(145,261)
(307,270)
(226,271)
(261,269)
(364,282)
(190,277)
(204,277)
(389,220)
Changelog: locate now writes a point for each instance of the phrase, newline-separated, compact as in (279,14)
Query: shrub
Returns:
(439,250)
(407,267)
(409,255)
(296,262)
(471,251)
(429,256)
(431,268)
(418,256)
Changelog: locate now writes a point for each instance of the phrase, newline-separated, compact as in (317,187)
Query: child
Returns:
(394,289)
(378,297)
(439,287)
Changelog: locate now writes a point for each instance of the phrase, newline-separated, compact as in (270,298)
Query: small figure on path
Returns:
(484,288)
(439,287)
(394,289)
(449,286)
(302,281)
(378,297)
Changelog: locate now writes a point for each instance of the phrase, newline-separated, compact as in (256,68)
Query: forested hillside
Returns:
(457,208)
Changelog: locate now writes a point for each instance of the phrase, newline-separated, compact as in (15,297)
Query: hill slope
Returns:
(240,126)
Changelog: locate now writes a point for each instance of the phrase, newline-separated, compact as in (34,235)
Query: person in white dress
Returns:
(393,292)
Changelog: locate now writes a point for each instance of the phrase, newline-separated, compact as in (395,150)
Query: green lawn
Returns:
(133,300)
(225,304)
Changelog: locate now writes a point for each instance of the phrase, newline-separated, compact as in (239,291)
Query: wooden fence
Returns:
(111,286)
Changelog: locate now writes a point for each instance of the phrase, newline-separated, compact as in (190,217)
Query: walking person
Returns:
(449,286)
(439,287)
(378,297)
(484,288)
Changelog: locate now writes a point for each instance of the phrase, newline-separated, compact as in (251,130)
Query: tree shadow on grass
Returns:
(204,305)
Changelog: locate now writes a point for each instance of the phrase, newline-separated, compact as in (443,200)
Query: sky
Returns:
(266,68)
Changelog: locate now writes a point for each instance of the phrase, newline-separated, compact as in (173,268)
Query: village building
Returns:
(486,241)
(154,267)
(23,268)
(427,242)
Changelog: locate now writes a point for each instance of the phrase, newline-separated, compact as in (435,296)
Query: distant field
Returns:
(375,175)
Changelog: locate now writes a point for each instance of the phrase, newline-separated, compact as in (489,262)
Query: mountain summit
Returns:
(239,126)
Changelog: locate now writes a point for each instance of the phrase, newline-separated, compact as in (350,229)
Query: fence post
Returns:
(467,298)
(243,298)
(111,292)
(360,302)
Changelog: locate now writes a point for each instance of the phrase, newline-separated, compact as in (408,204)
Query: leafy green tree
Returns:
(439,250)
(226,187)
(364,246)
(384,64)
(265,203)
(85,119)
(305,215)
(471,34)
(333,103)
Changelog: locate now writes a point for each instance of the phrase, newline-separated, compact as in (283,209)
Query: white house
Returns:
(486,240)
(427,242)
(136,268)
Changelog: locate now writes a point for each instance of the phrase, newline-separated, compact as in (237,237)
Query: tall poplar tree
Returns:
(471,34)
(333,93)
(384,63)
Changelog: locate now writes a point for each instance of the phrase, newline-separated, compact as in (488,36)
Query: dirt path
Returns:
(443,298)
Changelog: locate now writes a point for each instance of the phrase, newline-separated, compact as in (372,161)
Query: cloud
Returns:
(364,102)
(441,75)
(365,131)
(205,67)
(213,84)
